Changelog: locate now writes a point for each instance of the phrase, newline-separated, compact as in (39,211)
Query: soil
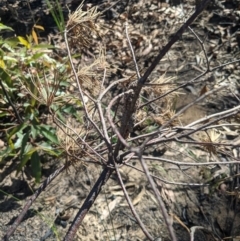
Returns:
(214,209)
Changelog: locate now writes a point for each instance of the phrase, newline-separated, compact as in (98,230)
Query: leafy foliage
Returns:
(57,14)
(33,86)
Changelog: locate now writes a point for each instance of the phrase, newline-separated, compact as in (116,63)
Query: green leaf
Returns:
(24,143)
(69,109)
(49,149)
(18,143)
(16,129)
(2,64)
(4,27)
(34,131)
(36,166)
(114,140)
(10,43)
(4,114)
(24,42)
(26,104)
(4,153)
(151,128)
(26,157)
(34,57)
(4,77)
(9,195)
(47,60)
(57,14)
(48,134)
(21,95)
(43,46)
(191,153)
(10,59)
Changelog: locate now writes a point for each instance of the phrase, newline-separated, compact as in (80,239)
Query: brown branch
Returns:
(169,182)
(119,135)
(159,198)
(106,173)
(177,163)
(131,99)
(171,135)
(174,39)
(130,204)
(80,89)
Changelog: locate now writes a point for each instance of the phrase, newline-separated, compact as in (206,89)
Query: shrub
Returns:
(33,87)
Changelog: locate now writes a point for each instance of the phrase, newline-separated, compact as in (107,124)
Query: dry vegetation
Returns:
(158,127)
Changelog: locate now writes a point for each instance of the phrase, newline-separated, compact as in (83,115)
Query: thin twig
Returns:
(79,87)
(151,135)
(171,135)
(130,204)
(169,182)
(76,141)
(173,40)
(223,65)
(132,51)
(190,105)
(186,163)
(159,199)
(203,48)
(206,118)
(120,137)
(193,229)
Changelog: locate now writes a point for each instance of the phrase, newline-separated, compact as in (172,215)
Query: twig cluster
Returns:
(113,145)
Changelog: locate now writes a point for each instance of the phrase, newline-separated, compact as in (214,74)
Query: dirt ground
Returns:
(214,210)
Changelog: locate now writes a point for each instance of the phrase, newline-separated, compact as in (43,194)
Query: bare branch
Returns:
(173,40)
(132,52)
(131,205)
(159,199)
(93,194)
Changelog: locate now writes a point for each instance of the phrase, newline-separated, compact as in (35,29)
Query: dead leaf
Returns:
(147,50)
(111,206)
(138,198)
(203,90)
